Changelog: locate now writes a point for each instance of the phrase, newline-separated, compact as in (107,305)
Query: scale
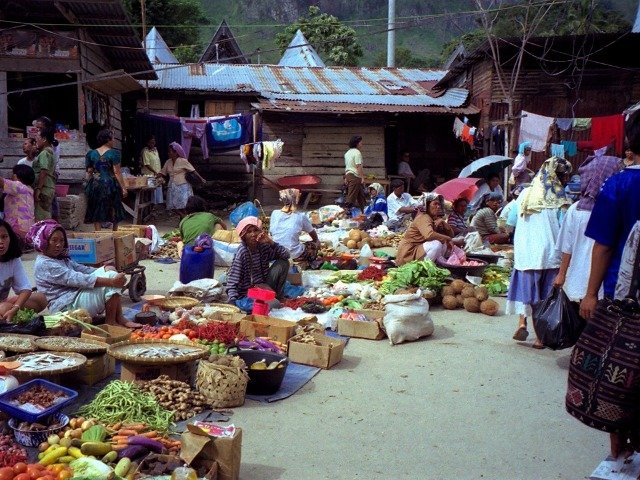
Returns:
(260,297)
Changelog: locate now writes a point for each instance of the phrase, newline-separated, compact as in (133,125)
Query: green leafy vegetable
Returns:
(419,273)
(23,315)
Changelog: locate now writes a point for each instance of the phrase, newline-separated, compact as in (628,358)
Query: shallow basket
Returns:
(33,439)
(224,307)
(171,303)
(6,346)
(24,374)
(73,344)
(119,352)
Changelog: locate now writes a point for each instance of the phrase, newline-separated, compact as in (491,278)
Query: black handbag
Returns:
(194,179)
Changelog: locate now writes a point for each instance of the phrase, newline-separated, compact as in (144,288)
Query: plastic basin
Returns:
(263,382)
(33,439)
(297,181)
(462,271)
(16,411)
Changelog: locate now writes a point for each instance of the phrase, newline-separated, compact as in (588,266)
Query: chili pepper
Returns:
(221,331)
(371,273)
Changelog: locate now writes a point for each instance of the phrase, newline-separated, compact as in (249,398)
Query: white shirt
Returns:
(394,204)
(404,169)
(285,229)
(26,161)
(535,237)
(573,241)
(13,275)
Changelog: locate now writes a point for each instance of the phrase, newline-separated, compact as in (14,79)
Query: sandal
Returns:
(537,345)
(521,334)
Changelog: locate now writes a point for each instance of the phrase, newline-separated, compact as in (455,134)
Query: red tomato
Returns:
(22,476)
(20,467)
(6,473)
(65,475)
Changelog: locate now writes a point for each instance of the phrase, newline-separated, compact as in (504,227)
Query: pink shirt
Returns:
(18,207)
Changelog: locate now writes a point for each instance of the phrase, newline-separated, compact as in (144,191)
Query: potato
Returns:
(467,292)
(458,286)
(448,291)
(352,244)
(481,293)
(489,307)
(354,234)
(471,305)
(449,302)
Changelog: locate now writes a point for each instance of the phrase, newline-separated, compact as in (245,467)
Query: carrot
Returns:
(115,426)
(120,438)
(151,434)
(120,446)
(126,433)
(134,426)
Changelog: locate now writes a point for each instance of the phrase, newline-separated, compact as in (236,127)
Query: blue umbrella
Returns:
(485,166)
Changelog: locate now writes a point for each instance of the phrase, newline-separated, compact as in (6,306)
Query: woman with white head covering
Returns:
(378,203)
(286,225)
(429,235)
(520,173)
(178,190)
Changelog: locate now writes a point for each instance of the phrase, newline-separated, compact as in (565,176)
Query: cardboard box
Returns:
(90,248)
(201,449)
(371,330)
(133,372)
(143,248)
(124,245)
(142,231)
(95,369)
(325,355)
(107,333)
(253,326)
(295,276)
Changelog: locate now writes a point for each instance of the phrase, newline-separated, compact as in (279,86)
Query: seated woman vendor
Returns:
(287,224)
(485,221)
(198,220)
(13,276)
(69,285)
(429,235)
(378,203)
(250,266)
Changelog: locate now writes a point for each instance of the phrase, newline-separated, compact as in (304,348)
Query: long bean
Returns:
(125,402)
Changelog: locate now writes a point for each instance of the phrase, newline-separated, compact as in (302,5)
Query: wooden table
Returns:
(136,201)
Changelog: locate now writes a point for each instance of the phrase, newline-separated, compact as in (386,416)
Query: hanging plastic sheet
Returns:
(229,132)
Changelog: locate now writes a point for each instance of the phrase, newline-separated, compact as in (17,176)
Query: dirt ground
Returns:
(466,403)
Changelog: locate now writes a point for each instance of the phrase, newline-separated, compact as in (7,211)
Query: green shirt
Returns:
(196,223)
(45,161)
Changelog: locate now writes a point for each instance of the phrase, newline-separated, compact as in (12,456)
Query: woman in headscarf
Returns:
(178,190)
(250,265)
(573,276)
(378,203)
(536,217)
(457,218)
(354,174)
(519,172)
(485,221)
(105,187)
(286,225)
(429,235)
(69,285)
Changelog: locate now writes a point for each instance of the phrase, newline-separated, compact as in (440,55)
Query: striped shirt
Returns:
(458,224)
(485,222)
(250,268)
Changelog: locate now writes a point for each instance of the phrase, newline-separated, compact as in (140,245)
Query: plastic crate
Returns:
(26,415)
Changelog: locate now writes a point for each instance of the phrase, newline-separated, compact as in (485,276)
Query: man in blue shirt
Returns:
(616,210)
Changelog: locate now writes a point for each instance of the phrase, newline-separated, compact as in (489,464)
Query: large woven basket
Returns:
(171,303)
(222,386)
(120,351)
(23,374)
(71,344)
(27,340)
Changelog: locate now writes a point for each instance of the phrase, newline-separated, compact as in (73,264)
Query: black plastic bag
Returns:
(556,321)
(35,326)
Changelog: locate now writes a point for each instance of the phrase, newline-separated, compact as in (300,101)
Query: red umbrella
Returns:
(458,187)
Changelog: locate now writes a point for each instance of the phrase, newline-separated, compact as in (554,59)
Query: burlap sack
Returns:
(223,386)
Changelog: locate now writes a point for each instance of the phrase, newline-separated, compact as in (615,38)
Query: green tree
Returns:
(182,35)
(406,59)
(334,42)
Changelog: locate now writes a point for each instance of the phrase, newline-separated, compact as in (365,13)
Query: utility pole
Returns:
(144,44)
(391,35)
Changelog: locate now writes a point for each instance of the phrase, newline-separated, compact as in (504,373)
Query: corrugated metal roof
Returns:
(454,97)
(274,105)
(157,49)
(262,79)
(300,53)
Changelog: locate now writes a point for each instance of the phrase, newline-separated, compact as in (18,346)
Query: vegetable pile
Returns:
(419,273)
(496,279)
(10,453)
(175,396)
(464,295)
(371,273)
(23,315)
(124,402)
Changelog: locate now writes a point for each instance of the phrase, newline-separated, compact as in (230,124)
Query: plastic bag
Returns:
(556,321)
(35,326)
(246,209)
(407,317)
(203,240)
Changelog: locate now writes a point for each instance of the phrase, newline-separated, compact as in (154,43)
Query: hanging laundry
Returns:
(498,138)
(246,155)
(466,135)
(581,123)
(557,150)
(564,124)
(194,128)
(229,132)
(457,127)
(584,145)
(570,147)
(271,151)
(608,130)
(535,129)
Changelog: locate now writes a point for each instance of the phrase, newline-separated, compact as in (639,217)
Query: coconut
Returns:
(471,304)
(458,286)
(468,292)
(460,300)
(448,291)
(489,307)
(449,302)
(481,293)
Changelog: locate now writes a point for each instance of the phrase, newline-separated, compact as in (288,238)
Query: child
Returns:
(13,275)
(18,202)
(69,285)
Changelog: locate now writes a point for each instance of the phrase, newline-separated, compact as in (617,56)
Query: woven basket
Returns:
(28,339)
(171,303)
(222,386)
(119,352)
(72,344)
(224,307)
(24,374)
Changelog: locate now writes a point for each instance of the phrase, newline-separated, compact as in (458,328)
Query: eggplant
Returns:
(132,452)
(148,443)
(247,344)
(265,344)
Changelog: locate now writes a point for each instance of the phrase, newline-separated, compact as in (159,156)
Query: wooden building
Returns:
(564,77)
(74,72)
(223,47)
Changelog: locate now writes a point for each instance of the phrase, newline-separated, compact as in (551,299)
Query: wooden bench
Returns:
(309,191)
